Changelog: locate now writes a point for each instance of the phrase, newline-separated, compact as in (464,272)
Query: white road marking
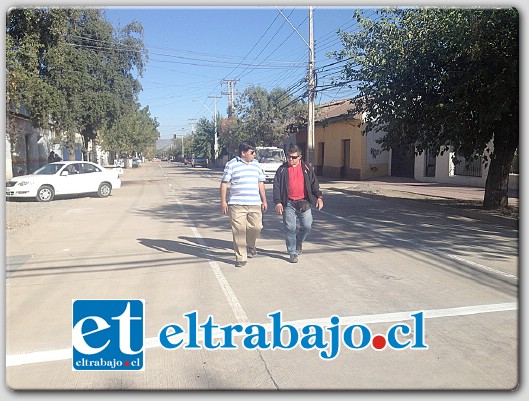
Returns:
(236,306)
(234,303)
(152,342)
(241,317)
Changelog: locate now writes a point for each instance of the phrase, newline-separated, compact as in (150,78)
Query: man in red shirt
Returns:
(296,189)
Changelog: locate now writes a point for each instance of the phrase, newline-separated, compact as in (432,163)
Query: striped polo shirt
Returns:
(244,179)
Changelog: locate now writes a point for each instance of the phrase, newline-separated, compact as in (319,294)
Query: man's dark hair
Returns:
(294,148)
(246,146)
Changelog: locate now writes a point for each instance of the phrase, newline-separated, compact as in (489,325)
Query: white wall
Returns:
(9,165)
(443,167)
(374,152)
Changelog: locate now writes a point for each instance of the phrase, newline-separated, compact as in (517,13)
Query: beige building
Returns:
(340,149)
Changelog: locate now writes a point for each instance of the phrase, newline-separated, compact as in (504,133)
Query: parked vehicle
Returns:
(201,161)
(135,162)
(188,160)
(64,178)
(270,159)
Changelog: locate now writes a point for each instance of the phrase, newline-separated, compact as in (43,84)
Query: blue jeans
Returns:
(292,235)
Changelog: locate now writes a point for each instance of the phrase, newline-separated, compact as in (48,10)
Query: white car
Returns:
(270,158)
(64,178)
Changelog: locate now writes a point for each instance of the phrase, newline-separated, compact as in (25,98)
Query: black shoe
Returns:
(240,264)
(299,249)
(293,258)
(252,252)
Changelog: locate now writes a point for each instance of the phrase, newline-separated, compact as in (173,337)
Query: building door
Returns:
(430,159)
(321,158)
(402,162)
(346,162)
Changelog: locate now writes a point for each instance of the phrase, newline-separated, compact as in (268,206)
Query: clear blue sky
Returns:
(192,51)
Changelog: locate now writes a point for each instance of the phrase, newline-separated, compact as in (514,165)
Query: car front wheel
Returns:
(45,193)
(104,190)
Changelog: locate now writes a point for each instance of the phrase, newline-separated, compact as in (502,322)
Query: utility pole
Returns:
(192,124)
(183,155)
(190,143)
(310,89)
(216,145)
(310,128)
(231,96)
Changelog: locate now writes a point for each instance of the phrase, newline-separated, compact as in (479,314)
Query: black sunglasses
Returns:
(293,157)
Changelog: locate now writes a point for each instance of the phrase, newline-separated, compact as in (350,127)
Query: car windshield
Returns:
(49,169)
(271,155)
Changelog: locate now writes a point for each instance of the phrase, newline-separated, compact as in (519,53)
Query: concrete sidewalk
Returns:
(457,200)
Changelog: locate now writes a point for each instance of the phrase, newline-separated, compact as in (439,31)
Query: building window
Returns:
(463,168)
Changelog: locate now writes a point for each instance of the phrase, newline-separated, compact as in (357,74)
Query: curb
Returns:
(431,204)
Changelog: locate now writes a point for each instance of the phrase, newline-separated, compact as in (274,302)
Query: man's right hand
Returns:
(279,208)
(224,207)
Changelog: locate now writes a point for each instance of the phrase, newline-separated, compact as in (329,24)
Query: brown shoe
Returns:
(240,264)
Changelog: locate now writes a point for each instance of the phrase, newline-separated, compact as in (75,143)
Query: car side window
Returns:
(89,168)
(73,168)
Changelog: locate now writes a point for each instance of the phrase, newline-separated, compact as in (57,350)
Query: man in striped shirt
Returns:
(246,202)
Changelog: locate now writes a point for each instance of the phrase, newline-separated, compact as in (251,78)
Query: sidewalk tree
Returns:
(435,78)
(135,132)
(26,90)
(263,116)
(204,138)
(71,71)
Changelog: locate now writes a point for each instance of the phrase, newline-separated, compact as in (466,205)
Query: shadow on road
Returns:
(215,249)
(348,224)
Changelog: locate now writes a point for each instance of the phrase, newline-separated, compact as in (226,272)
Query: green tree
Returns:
(93,71)
(134,133)
(204,138)
(263,116)
(434,78)
(71,71)
(26,90)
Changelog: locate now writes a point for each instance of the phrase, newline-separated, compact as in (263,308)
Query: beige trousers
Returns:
(246,225)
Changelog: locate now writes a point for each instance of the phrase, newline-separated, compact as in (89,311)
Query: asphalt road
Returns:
(372,263)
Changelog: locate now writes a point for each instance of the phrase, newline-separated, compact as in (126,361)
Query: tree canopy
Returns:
(263,117)
(133,132)
(440,78)
(204,138)
(73,73)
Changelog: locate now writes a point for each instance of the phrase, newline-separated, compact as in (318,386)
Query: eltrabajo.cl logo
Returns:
(108,334)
